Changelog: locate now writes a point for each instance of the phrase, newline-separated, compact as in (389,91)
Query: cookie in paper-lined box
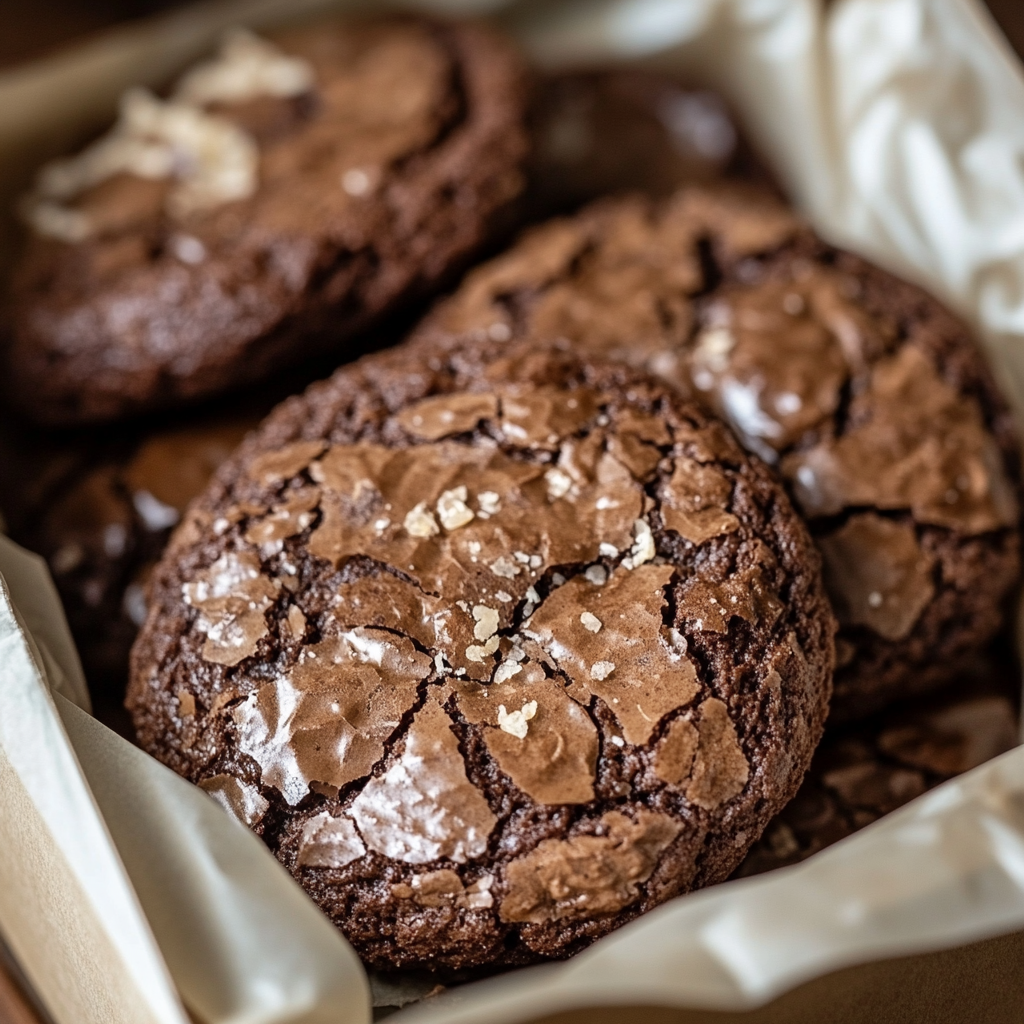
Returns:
(438,637)
(289,193)
(870,398)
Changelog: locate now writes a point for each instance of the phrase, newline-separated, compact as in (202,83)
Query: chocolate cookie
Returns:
(870,398)
(100,512)
(863,772)
(600,132)
(493,661)
(288,194)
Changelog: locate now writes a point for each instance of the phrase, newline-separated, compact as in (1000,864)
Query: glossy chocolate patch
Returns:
(232,597)
(424,807)
(915,444)
(328,718)
(877,574)
(554,759)
(329,842)
(631,661)
(588,875)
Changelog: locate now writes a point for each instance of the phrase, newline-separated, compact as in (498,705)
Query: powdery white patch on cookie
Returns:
(329,842)
(424,807)
(240,799)
(232,597)
(327,719)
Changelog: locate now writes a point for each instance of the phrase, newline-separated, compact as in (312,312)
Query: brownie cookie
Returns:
(599,132)
(869,397)
(864,771)
(100,513)
(288,194)
(493,661)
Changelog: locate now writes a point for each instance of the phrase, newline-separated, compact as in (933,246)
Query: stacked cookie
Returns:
(505,635)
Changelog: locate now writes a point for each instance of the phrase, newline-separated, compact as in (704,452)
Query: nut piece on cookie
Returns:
(288,193)
(491,718)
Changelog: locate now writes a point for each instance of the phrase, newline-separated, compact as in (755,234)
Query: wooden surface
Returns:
(28,30)
(15,1007)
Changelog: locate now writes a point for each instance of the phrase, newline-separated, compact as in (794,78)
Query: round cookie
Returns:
(495,661)
(100,512)
(868,396)
(289,193)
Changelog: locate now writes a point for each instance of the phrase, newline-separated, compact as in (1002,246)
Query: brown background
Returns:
(981,984)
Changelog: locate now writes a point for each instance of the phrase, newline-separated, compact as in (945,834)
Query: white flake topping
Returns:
(505,568)
(452,509)
(420,522)
(486,622)
(559,483)
(516,722)
(506,670)
(246,67)
(643,549)
(475,653)
(489,502)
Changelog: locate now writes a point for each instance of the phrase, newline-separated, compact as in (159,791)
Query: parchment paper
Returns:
(898,127)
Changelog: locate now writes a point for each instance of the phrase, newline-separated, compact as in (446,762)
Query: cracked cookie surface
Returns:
(868,396)
(287,194)
(493,661)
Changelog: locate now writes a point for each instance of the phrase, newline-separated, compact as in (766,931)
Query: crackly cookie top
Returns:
(868,396)
(523,589)
(523,576)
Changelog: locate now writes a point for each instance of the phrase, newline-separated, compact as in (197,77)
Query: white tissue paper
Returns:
(126,894)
